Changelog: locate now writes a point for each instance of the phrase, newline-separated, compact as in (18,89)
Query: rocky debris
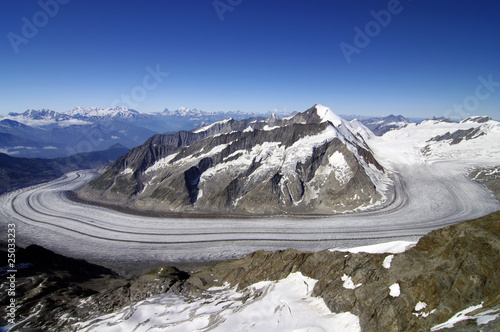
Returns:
(478,119)
(449,270)
(312,162)
(53,291)
(459,135)
(489,176)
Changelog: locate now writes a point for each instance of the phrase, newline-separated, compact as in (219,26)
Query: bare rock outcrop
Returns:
(449,270)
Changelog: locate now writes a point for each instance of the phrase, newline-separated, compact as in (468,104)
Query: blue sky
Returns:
(430,58)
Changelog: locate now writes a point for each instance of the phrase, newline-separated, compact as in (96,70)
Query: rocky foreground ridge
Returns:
(312,162)
(449,270)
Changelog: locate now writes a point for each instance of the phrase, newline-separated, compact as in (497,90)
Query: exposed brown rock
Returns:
(449,269)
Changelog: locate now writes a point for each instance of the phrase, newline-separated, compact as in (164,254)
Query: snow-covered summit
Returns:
(42,114)
(186,112)
(43,117)
(327,114)
(118,111)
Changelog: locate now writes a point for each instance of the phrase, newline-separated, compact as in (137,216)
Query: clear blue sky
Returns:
(263,55)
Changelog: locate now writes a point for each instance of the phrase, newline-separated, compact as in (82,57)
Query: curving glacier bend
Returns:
(427,197)
(430,191)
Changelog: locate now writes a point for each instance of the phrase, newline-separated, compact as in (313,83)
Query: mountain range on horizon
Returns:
(45,133)
(49,134)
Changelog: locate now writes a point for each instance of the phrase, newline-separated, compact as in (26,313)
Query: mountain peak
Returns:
(39,114)
(294,165)
(327,114)
(119,111)
(441,119)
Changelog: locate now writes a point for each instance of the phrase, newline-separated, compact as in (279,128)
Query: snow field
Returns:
(284,305)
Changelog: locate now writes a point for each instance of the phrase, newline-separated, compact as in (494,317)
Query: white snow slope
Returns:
(285,305)
(404,146)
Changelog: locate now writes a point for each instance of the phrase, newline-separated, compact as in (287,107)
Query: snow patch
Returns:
(387,262)
(161,163)
(303,148)
(458,317)
(394,247)
(487,316)
(270,152)
(84,301)
(342,170)
(267,128)
(348,283)
(127,171)
(205,128)
(420,306)
(394,290)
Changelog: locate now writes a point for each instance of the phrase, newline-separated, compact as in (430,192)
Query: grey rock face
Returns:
(489,176)
(299,164)
(381,125)
(478,119)
(53,291)
(459,135)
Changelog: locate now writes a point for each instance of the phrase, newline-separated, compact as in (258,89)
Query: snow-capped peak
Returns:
(272,116)
(327,114)
(205,128)
(36,114)
(184,111)
(119,111)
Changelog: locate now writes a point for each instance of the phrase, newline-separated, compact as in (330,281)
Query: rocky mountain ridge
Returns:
(312,162)
(381,125)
